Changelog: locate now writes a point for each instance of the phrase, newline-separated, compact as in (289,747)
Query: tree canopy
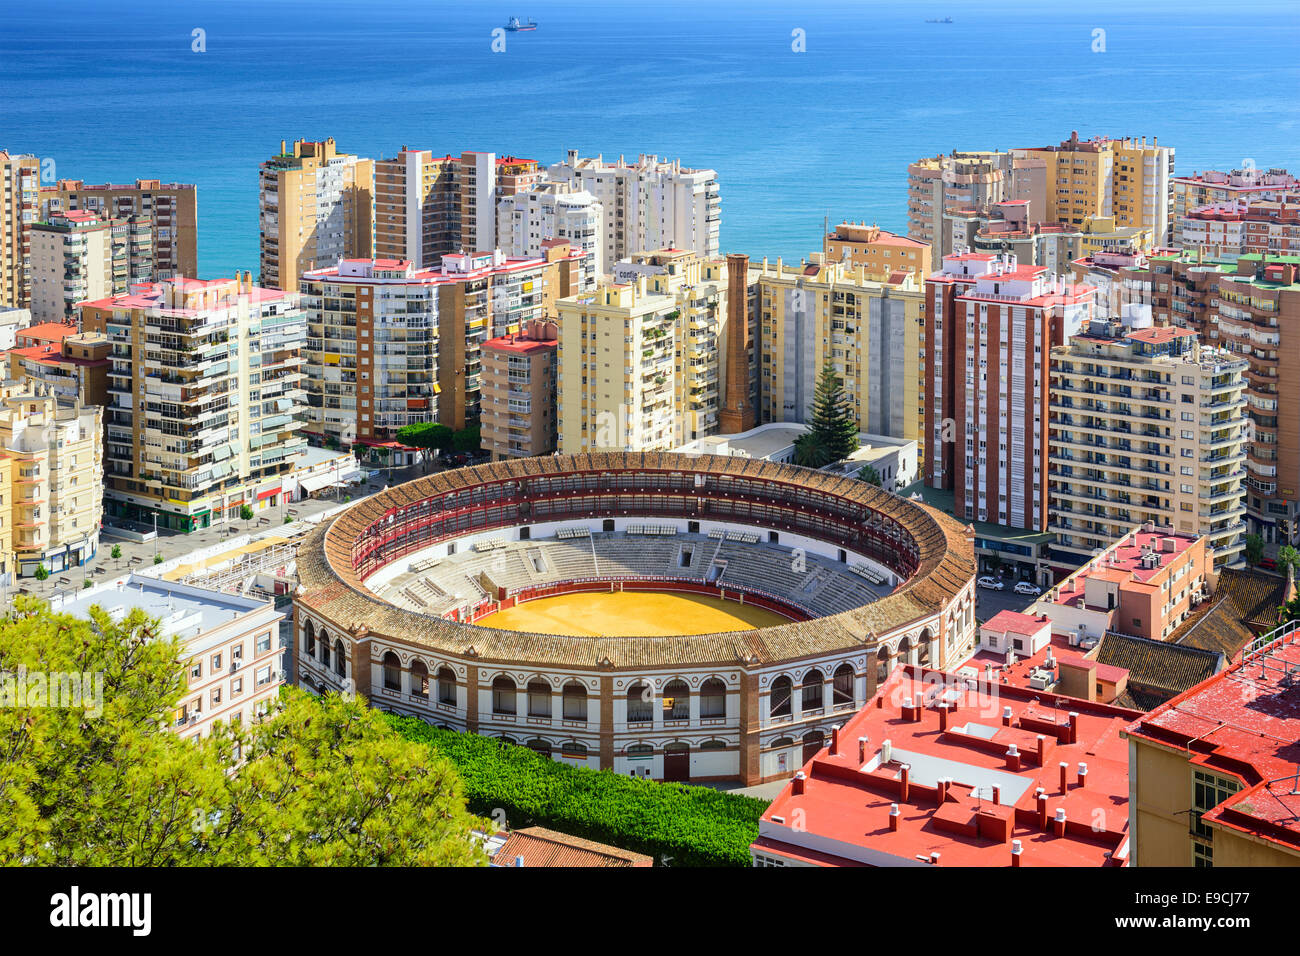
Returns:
(833,431)
(427,435)
(318,781)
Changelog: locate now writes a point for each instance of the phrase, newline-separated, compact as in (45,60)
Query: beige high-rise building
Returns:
(1128,179)
(969,179)
(205,399)
(82,255)
(317,206)
(19,191)
(169,211)
(642,358)
(51,504)
(819,312)
(1146,425)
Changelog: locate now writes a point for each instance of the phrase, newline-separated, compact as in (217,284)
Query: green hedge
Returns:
(691,826)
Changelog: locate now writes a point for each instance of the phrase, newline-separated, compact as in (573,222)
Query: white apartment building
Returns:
(230,645)
(650,204)
(1147,425)
(552,211)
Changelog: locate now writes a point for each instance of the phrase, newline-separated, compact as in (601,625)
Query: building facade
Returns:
(19,211)
(205,398)
(641,359)
(990,325)
(1236,187)
(1146,425)
(526,220)
(52,506)
(519,392)
(417,207)
(885,256)
(316,206)
(82,255)
(650,204)
(831,313)
(165,218)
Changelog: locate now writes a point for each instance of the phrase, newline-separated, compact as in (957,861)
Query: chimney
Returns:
(1065,771)
(904,782)
(934,858)
(1017,851)
(1006,716)
(1013,758)
(862,749)
(943,717)
(997,795)
(1058,825)
(1042,811)
(893,816)
(1083,774)
(1074,726)
(797,787)
(1042,750)
(835,740)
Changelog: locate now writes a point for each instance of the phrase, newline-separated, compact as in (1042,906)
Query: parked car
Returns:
(1026,587)
(1268,564)
(993,584)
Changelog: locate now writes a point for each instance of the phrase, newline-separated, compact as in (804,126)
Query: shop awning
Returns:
(314,483)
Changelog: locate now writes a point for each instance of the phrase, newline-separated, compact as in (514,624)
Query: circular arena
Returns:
(668,616)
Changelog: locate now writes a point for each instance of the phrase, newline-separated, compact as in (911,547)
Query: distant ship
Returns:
(514,26)
(944,20)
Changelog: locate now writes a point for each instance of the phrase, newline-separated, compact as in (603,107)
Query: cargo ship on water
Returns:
(515,26)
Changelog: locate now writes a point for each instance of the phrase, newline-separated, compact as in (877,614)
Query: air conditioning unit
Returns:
(234,666)
(1074,638)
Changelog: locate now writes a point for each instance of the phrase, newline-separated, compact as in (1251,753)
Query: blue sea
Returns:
(116,91)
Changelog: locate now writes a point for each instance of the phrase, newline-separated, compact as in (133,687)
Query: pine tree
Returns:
(833,430)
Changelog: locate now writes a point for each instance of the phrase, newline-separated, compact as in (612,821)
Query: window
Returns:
(340,662)
(446,686)
(842,688)
(216,696)
(420,679)
(237,652)
(264,643)
(539,698)
(677,700)
(196,670)
(263,676)
(503,696)
(216,662)
(573,749)
(1208,791)
(392,672)
(713,698)
(811,697)
(236,687)
(782,691)
(574,698)
(640,704)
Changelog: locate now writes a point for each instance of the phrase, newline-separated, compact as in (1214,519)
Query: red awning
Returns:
(268,492)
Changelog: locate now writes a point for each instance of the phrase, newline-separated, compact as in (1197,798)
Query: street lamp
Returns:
(155,534)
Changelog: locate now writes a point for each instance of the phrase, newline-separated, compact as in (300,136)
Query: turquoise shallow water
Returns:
(117,92)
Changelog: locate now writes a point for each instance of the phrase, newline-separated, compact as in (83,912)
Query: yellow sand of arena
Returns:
(631,614)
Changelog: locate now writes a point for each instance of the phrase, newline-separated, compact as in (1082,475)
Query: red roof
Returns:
(1243,721)
(1158,336)
(519,343)
(954,760)
(1017,622)
(52,332)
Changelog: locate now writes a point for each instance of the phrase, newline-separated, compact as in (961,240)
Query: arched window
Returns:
(325,651)
(575,701)
(507,740)
(420,679)
(392,672)
(539,698)
(782,742)
(842,688)
(540,746)
(640,752)
(714,745)
(311,639)
(677,700)
(780,699)
(446,686)
(640,704)
(713,698)
(503,696)
(811,697)
(340,659)
(882,662)
(574,749)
